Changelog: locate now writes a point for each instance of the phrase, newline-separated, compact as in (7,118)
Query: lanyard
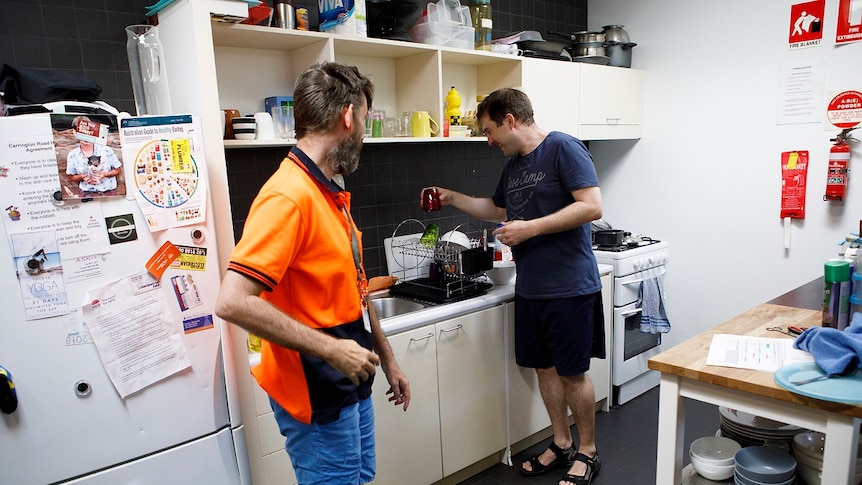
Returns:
(361,281)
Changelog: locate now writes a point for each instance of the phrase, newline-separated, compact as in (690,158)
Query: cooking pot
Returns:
(615,33)
(620,53)
(582,36)
(612,237)
(580,49)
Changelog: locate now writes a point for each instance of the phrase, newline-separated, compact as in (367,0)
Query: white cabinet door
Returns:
(611,102)
(408,443)
(553,90)
(527,413)
(470,363)
(600,369)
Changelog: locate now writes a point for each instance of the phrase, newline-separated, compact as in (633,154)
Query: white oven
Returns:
(632,348)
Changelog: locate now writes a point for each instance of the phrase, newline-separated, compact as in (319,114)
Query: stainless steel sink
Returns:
(391,306)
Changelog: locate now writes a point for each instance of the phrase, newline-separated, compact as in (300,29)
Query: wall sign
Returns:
(806,24)
(849,26)
(845,109)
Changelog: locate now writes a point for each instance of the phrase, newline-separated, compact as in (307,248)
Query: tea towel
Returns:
(654,315)
(834,351)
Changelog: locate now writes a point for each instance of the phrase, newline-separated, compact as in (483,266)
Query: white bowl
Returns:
(456,237)
(715,450)
(709,470)
(503,273)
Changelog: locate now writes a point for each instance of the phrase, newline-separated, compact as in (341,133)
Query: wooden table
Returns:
(684,374)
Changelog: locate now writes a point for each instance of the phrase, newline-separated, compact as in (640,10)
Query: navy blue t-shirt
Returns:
(554,265)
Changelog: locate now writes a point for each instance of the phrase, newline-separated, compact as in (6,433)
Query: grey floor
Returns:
(626,438)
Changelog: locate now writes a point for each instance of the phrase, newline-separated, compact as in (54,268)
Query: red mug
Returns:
(431,199)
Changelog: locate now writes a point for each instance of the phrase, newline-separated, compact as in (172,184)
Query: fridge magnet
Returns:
(186,291)
(39,269)
(191,258)
(162,259)
(89,155)
(196,324)
(121,228)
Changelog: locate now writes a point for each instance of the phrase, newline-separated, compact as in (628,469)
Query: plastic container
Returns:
(445,26)
(480,12)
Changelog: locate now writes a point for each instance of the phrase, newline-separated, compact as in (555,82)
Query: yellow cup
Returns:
(423,125)
(253,342)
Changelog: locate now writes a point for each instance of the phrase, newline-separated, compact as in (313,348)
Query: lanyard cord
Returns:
(361,281)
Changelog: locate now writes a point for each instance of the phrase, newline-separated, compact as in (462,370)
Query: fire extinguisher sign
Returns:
(849,24)
(806,24)
(845,109)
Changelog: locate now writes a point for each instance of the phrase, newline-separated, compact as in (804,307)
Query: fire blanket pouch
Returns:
(794,175)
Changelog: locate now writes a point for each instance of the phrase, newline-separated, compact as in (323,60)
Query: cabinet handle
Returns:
(430,335)
(456,327)
(613,121)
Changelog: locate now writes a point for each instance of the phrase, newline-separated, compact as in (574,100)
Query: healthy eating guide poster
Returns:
(166,167)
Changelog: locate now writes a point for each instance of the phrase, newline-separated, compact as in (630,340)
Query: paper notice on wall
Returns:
(800,93)
(165,166)
(28,182)
(136,335)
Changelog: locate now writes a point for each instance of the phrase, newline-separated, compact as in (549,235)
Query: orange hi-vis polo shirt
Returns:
(296,241)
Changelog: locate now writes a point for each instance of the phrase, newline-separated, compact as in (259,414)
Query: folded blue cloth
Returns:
(653,316)
(834,351)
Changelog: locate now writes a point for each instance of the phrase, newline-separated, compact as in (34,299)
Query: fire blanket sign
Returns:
(806,24)
(849,26)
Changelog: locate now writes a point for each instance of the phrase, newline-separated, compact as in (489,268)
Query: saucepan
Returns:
(612,237)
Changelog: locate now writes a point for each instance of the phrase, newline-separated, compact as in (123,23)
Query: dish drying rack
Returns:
(417,277)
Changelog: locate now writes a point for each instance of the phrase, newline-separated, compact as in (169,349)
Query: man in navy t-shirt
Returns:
(547,195)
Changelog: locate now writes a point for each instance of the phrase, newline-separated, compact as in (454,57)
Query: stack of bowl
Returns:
(712,457)
(244,127)
(808,450)
(762,465)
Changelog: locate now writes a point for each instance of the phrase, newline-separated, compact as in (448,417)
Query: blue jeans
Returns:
(341,452)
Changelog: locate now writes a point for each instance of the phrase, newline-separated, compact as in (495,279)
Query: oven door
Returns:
(632,349)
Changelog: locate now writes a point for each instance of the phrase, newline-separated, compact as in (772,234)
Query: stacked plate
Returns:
(808,450)
(750,430)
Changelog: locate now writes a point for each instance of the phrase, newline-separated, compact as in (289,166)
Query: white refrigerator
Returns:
(120,376)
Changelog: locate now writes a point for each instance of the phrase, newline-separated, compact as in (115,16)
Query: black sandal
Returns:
(563,459)
(593,467)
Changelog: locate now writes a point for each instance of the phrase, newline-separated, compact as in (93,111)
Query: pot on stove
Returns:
(611,237)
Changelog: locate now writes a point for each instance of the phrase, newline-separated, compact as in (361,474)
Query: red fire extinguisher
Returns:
(838,170)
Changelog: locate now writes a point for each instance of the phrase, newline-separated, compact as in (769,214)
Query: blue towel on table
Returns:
(834,351)
(653,316)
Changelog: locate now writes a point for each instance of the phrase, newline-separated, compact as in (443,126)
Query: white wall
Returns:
(706,175)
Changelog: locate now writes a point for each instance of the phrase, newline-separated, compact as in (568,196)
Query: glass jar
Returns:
(480,14)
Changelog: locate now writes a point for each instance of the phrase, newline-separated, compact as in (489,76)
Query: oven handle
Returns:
(633,312)
(632,282)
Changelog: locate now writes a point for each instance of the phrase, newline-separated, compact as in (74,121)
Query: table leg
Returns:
(671,432)
(839,453)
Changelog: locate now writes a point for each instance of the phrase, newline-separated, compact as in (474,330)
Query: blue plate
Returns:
(846,389)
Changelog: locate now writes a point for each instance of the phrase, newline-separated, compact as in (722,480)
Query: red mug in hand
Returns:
(431,199)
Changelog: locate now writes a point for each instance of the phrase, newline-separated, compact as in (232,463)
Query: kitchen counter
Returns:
(684,373)
(497,295)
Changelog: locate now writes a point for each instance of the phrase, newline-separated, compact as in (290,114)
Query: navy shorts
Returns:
(563,333)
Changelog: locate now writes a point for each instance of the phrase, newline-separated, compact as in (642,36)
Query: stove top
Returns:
(626,247)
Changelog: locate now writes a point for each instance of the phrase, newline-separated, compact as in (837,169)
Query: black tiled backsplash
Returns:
(385,188)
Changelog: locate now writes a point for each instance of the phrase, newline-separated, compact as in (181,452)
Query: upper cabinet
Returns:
(610,103)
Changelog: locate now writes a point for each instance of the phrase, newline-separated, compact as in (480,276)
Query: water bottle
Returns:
(453,107)
(836,277)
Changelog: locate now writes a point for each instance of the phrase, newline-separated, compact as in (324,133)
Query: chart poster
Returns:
(165,166)
(849,23)
(806,24)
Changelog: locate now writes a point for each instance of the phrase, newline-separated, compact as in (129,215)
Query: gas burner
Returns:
(618,248)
